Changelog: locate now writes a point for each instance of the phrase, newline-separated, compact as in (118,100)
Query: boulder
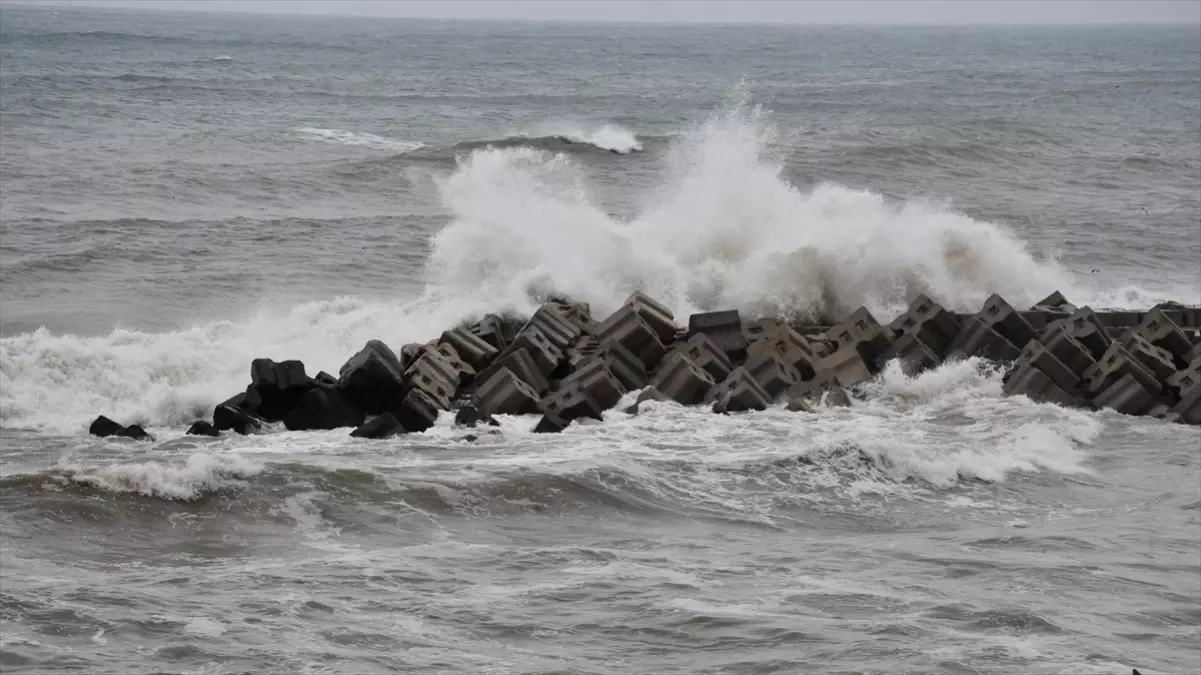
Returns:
(104,427)
(417,412)
(725,330)
(381,426)
(373,379)
(470,416)
(228,417)
(136,432)
(324,408)
(202,428)
(279,386)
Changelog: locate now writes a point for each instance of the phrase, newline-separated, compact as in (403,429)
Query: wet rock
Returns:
(228,417)
(381,426)
(470,416)
(279,386)
(136,432)
(104,427)
(373,379)
(324,408)
(203,428)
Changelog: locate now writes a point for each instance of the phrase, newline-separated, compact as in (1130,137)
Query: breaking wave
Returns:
(362,139)
(608,137)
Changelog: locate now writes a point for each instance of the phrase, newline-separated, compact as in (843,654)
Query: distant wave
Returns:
(362,139)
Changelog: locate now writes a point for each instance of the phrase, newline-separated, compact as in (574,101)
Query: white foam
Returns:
(362,139)
(611,137)
(197,475)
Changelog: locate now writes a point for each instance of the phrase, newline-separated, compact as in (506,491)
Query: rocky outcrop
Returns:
(105,428)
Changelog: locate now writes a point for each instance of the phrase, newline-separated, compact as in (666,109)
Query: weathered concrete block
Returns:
(1084,327)
(279,385)
(586,347)
(326,379)
(470,416)
(796,350)
(1163,412)
(435,376)
(411,352)
(847,367)
(1115,364)
(864,334)
(980,339)
(1117,321)
(771,372)
(1029,381)
(648,394)
(1156,359)
(491,329)
(1056,303)
(655,314)
(1127,395)
(474,350)
(627,328)
(703,352)
(915,355)
(560,331)
(381,426)
(578,313)
(738,393)
(1070,352)
(822,390)
(725,329)
(545,353)
(625,366)
(1040,356)
(1189,406)
(930,322)
(682,380)
(1158,329)
(417,412)
(1184,316)
(800,404)
(595,379)
(521,364)
(323,408)
(1008,322)
(569,405)
(373,379)
(503,393)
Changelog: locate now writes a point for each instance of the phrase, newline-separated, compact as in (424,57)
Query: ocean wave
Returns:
(362,139)
(609,138)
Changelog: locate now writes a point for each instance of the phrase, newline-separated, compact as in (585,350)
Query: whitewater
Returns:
(305,185)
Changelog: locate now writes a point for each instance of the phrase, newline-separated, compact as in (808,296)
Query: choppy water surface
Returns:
(183,193)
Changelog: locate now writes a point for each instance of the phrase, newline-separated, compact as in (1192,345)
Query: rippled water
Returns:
(183,193)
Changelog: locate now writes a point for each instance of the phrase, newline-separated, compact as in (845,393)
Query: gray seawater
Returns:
(181,193)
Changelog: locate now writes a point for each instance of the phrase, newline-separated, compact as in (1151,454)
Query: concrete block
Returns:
(703,352)
(738,393)
(1008,322)
(545,353)
(1126,395)
(1164,412)
(1184,316)
(568,405)
(1193,354)
(864,334)
(625,366)
(521,364)
(800,404)
(434,375)
(1040,356)
(1040,319)
(383,426)
(1115,364)
(1029,381)
(629,329)
(595,379)
(847,367)
(474,350)
(1055,302)
(280,387)
(796,350)
(584,348)
(648,394)
(725,329)
(822,389)
(417,412)
(448,354)
(491,329)
(1118,321)
(1189,406)
(915,355)
(504,393)
(682,380)
(979,338)
(578,313)
(561,332)
(1069,351)
(931,322)
(1084,327)
(771,372)
(373,379)
(470,416)
(655,314)
(1159,329)
(1156,359)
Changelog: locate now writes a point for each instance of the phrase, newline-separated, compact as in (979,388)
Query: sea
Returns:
(183,192)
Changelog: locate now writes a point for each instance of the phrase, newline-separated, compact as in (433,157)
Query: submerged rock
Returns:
(202,428)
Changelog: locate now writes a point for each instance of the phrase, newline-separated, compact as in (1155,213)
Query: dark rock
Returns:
(202,428)
(550,425)
(136,432)
(470,416)
(230,417)
(373,379)
(381,426)
(280,387)
(417,412)
(326,379)
(324,408)
(104,427)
